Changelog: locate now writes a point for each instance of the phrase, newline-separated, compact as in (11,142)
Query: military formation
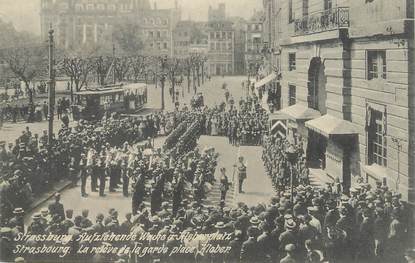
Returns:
(278,165)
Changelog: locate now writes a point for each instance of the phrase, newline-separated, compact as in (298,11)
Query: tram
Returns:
(94,103)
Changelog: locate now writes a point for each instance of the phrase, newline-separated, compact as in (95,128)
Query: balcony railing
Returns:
(326,20)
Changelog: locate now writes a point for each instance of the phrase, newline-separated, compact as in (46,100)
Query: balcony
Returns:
(327,20)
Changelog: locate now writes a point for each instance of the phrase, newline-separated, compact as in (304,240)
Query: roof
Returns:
(328,125)
(99,91)
(300,112)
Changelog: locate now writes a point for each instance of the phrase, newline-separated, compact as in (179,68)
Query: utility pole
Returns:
(163,79)
(113,64)
(51,92)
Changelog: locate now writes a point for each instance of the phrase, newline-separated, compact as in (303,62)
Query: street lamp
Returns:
(292,158)
(163,79)
(51,90)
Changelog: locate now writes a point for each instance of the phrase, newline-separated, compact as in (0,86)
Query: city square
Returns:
(282,133)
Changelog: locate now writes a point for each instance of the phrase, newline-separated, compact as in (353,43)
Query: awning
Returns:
(300,112)
(328,125)
(266,80)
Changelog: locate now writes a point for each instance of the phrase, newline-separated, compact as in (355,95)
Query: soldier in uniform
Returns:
(101,174)
(83,174)
(224,184)
(241,169)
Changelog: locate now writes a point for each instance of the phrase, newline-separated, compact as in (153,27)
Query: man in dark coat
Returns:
(56,208)
(266,244)
(177,194)
(249,250)
(156,197)
(138,194)
(366,241)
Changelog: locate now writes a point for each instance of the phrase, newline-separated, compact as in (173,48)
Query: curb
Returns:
(44,199)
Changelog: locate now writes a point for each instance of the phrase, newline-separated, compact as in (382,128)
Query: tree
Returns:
(24,57)
(128,36)
(102,68)
(78,69)
(26,64)
(122,65)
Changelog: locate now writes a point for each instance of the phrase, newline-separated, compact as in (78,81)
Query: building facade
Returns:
(221,42)
(347,84)
(189,38)
(85,23)
(239,26)
(254,44)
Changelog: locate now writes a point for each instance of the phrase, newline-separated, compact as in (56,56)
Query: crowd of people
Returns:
(15,112)
(315,225)
(243,126)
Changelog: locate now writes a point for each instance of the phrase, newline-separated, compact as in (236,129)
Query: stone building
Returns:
(189,37)
(239,25)
(221,42)
(254,43)
(81,23)
(221,56)
(347,80)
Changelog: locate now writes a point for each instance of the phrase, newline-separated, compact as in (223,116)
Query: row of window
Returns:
(182,34)
(155,21)
(254,27)
(99,7)
(220,46)
(328,4)
(159,45)
(375,64)
(221,35)
(181,43)
(157,34)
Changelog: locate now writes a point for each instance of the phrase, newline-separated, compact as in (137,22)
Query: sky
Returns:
(24,14)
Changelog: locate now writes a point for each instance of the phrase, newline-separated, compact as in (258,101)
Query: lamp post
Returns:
(51,91)
(163,79)
(291,157)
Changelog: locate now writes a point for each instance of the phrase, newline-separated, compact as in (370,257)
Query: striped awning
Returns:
(266,80)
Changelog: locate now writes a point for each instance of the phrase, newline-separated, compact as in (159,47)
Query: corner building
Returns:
(348,93)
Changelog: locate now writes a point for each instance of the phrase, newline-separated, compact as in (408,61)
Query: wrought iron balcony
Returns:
(326,20)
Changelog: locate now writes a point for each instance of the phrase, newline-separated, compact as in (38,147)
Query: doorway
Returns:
(316,150)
